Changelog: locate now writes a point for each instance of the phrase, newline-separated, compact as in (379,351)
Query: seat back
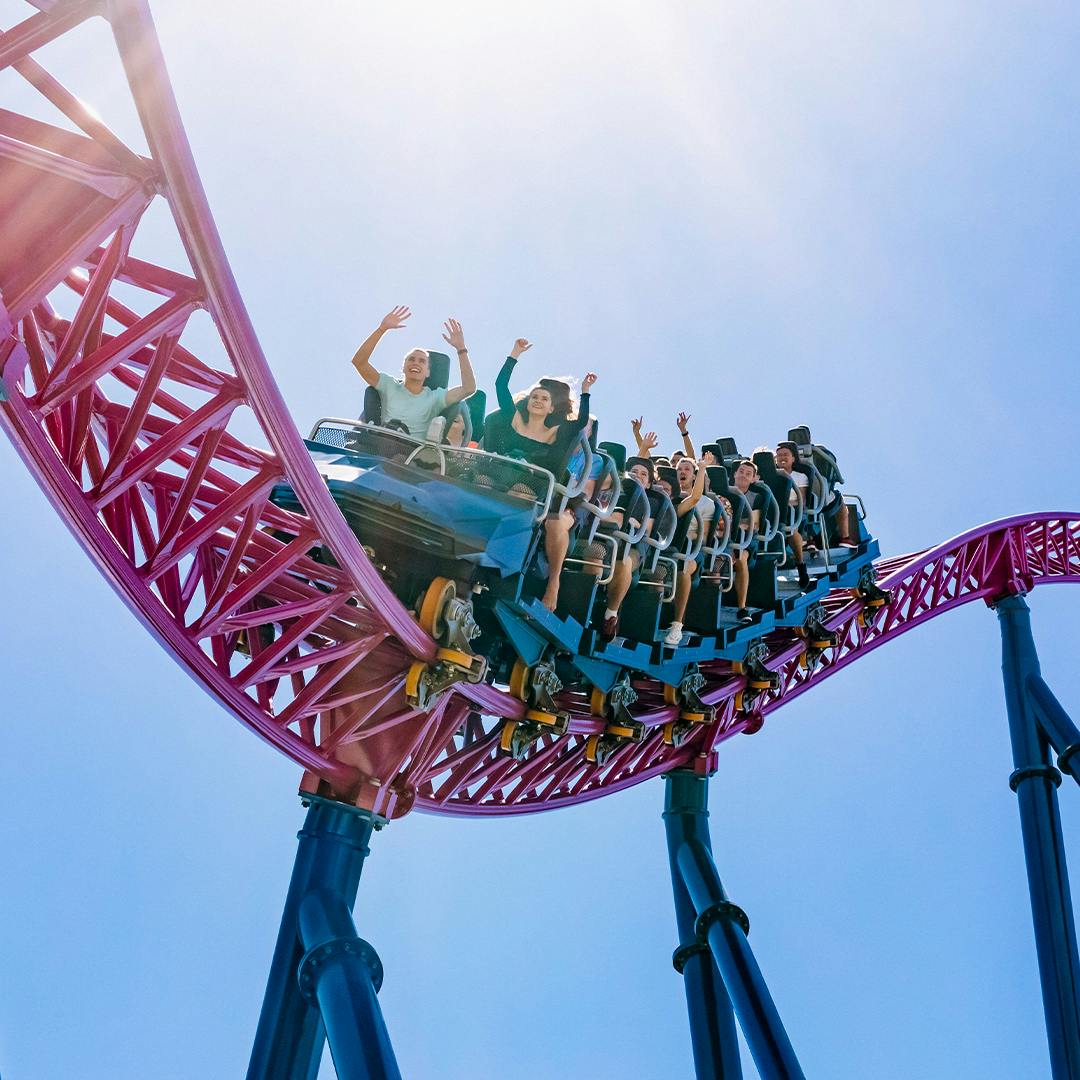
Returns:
(438,370)
(741,535)
(477,405)
(821,457)
(617,452)
(781,485)
(372,413)
(729,451)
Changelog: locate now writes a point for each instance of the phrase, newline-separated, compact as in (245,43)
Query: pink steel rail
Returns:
(133,438)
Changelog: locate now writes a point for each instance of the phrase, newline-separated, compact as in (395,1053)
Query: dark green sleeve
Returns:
(571,427)
(502,388)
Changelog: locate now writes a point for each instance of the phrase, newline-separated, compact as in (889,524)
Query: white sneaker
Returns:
(674,635)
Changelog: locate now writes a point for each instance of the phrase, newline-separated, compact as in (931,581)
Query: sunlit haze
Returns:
(862,217)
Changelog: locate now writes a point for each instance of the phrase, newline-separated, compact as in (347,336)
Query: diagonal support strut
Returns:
(728,983)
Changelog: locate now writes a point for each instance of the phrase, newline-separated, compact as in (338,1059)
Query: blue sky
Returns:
(858,217)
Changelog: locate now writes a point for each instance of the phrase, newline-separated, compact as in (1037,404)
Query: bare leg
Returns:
(619,585)
(682,591)
(742,579)
(797,545)
(556,545)
(843,522)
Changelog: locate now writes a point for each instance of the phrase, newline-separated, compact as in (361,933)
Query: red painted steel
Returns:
(146,452)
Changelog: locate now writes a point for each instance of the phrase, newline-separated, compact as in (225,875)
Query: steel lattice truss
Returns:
(146,452)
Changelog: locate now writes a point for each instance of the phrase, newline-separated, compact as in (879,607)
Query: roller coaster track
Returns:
(146,451)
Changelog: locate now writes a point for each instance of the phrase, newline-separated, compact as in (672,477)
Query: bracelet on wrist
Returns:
(460,351)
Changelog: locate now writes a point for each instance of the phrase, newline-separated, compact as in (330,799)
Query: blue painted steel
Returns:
(1035,781)
(1055,722)
(760,1022)
(330,856)
(712,1021)
(342,973)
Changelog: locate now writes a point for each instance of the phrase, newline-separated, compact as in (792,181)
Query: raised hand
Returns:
(395,319)
(649,441)
(521,345)
(454,336)
(682,420)
(636,425)
(587,382)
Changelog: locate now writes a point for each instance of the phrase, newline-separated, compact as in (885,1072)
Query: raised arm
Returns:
(502,380)
(582,418)
(696,492)
(393,320)
(687,443)
(455,338)
(647,443)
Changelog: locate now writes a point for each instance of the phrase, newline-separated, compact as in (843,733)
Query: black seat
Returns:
(617,452)
(781,486)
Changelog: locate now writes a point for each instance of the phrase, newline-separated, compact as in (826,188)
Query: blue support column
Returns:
(323,978)
(1056,724)
(724,927)
(712,1022)
(1035,782)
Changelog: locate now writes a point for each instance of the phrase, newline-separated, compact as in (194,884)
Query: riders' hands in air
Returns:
(649,441)
(587,382)
(520,346)
(454,337)
(395,319)
(682,420)
(635,425)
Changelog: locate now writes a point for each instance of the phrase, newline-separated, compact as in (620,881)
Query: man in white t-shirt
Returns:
(407,399)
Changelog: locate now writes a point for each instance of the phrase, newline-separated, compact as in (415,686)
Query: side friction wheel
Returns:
(439,593)
(671,695)
(519,680)
(412,679)
(506,738)
(592,749)
(598,702)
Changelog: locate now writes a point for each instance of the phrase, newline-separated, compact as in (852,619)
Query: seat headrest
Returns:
(766,465)
(439,373)
(715,449)
(372,413)
(728,448)
(477,406)
(800,436)
(666,472)
(718,478)
(617,453)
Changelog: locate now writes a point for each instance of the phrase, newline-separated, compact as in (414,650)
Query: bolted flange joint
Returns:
(1047,771)
(1065,758)
(335,951)
(683,954)
(723,909)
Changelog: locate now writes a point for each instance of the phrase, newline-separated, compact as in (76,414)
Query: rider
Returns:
(541,432)
(745,474)
(785,456)
(642,470)
(407,399)
(691,481)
